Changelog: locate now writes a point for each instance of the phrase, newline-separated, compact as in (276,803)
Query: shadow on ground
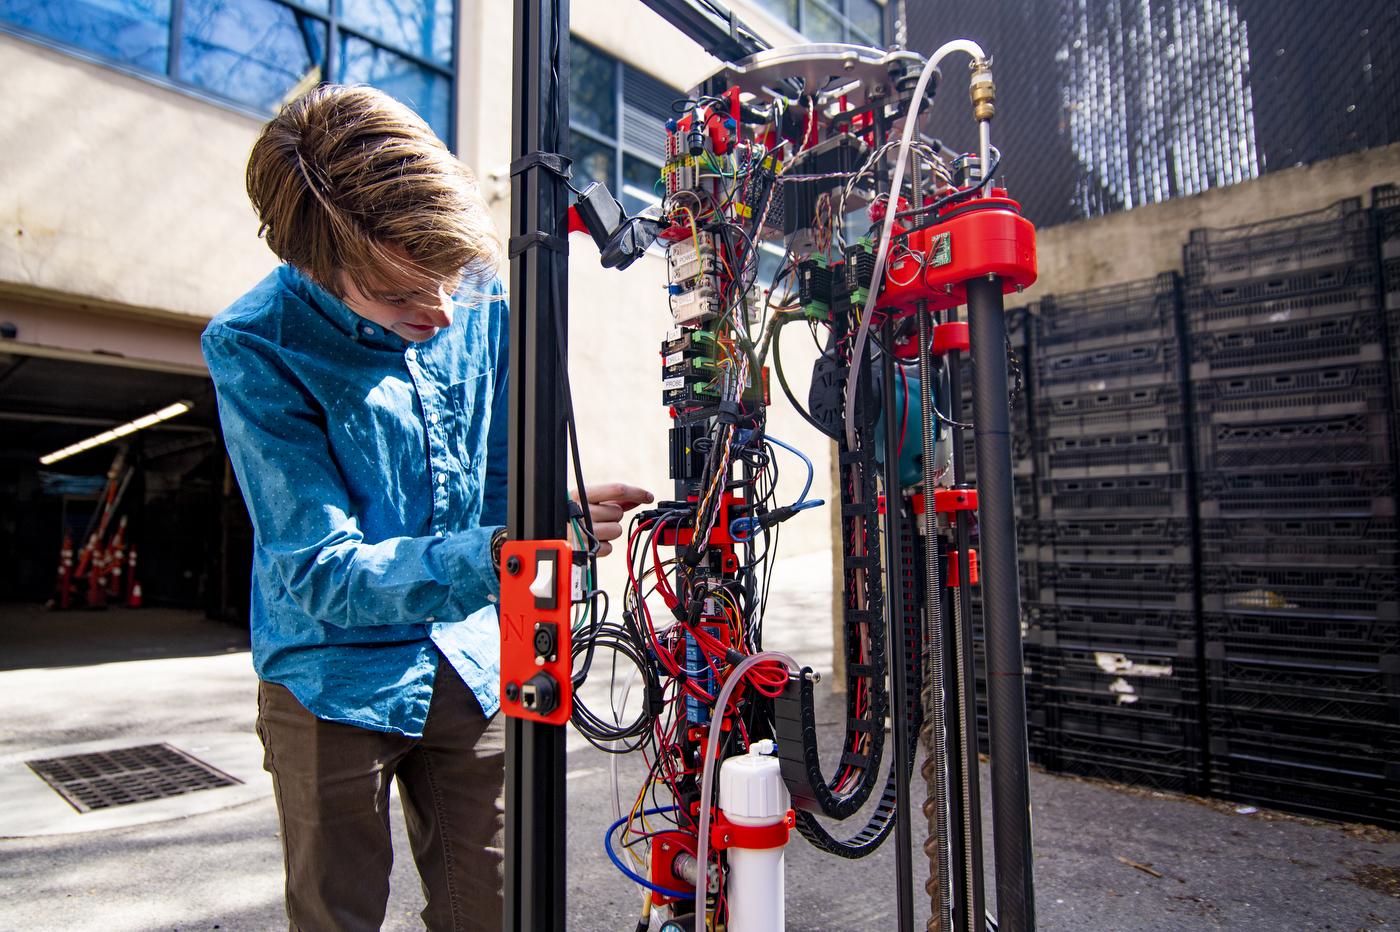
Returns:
(32,637)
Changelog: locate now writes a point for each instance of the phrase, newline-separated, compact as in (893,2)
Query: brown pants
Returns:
(332,787)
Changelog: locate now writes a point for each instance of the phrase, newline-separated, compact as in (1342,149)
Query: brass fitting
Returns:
(983,91)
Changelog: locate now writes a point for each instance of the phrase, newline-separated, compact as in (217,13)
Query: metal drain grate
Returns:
(127,775)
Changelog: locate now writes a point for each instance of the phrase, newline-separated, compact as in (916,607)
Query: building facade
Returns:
(126,228)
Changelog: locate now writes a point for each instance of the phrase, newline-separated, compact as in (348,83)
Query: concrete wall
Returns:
(1144,241)
(116,192)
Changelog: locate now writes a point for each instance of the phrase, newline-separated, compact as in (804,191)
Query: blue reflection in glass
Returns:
(639,181)
(133,31)
(428,93)
(419,27)
(255,51)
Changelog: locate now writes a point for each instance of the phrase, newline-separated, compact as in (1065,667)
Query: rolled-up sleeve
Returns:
(275,432)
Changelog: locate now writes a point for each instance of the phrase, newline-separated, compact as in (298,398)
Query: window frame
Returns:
(850,31)
(170,78)
(619,149)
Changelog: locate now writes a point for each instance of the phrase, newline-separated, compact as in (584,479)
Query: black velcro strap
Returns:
(519,244)
(550,161)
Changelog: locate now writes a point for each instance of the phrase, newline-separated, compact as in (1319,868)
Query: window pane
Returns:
(638,184)
(593,161)
(869,17)
(256,51)
(785,10)
(592,88)
(419,27)
(132,31)
(821,26)
(428,93)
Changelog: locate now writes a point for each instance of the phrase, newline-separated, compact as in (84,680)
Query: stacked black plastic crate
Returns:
(1297,512)
(1115,691)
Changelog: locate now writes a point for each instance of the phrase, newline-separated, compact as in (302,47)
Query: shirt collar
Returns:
(338,313)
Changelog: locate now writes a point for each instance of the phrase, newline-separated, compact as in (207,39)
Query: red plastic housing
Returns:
(720,538)
(521,615)
(725,834)
(955,500)
(952,577)
(665,848)
(985,236)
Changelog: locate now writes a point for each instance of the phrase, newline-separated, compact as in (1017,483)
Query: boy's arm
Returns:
(276,438)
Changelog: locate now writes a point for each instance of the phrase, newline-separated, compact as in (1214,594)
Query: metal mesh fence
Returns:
(1106,104)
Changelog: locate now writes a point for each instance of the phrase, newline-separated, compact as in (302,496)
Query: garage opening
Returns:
(171,531)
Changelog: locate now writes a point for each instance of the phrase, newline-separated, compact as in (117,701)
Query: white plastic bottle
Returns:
(751,793)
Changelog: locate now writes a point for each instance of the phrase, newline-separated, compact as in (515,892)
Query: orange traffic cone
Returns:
(65,570)
(97,580)
(116,556)
(133,589)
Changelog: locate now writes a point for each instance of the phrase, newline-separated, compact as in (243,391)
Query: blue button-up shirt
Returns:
(375,474)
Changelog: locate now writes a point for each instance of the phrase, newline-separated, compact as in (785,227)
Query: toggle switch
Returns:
(543,588)
(543,585)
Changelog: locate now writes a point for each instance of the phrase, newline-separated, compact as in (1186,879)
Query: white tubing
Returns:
(707,782)
(957,45)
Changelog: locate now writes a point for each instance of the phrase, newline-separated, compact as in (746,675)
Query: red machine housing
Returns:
(526,614)
(984,236)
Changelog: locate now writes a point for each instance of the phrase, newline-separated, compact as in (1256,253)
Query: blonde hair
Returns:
(344,173)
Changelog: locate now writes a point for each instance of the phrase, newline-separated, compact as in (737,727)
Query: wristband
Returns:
(498,540)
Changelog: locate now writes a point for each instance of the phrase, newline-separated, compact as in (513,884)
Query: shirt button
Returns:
(490,598)
(439,534)
(431,618)
(442,478)
(433,417)
(410,354)
(369,330)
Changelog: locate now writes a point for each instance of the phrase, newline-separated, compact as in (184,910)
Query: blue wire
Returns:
(740,528)
(803,497)
(607,846)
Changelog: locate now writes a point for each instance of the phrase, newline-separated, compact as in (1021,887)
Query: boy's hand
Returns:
(607,504)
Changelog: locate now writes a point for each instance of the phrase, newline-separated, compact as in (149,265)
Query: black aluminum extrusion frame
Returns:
(536,817)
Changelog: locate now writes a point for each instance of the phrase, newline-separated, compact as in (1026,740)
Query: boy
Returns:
(363,393)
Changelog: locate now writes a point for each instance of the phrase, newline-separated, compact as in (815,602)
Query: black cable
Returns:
(782,380)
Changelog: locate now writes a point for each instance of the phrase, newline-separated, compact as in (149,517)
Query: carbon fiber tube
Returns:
(935,769)
(1001,601)
(894,640)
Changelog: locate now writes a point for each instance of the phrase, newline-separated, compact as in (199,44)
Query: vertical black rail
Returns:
(966,671)
(896,643)
(535,812)
(1001,606)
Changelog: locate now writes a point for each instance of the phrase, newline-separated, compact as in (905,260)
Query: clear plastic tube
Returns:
(702,849)
(957,45)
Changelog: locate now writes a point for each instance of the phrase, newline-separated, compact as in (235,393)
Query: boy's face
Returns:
(406,309)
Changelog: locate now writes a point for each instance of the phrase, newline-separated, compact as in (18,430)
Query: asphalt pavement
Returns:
(1098,848)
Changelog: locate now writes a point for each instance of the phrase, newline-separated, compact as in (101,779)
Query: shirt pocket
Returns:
(469,402)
